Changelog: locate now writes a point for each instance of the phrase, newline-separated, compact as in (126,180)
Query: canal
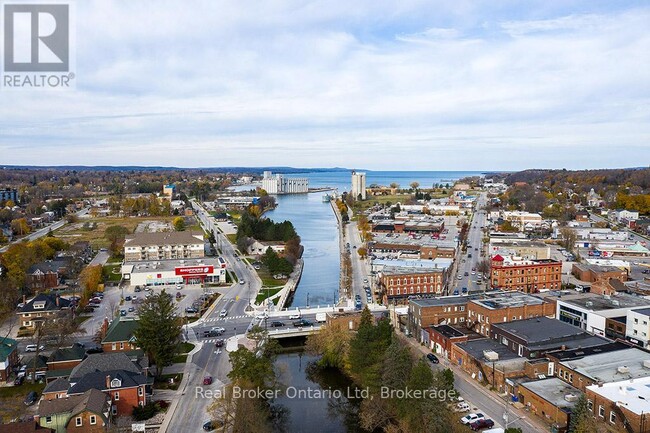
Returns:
(316,225)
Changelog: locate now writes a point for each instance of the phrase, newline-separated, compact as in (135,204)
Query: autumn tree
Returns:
(89,279)
(179,224)
(20,227)
(115,235)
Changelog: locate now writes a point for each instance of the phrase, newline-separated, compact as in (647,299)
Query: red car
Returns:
(481,424)
(207,380)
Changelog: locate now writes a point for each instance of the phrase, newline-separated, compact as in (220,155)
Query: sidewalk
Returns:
(536,424)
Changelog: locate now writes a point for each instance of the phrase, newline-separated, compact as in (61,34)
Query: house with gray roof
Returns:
(91,410)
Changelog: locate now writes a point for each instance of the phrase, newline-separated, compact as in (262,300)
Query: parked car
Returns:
(471,417)
(456,292)
(122,312)
(127,298)
(33,347)
(191,310)
(295,316)
(209,426)
(462,407)
(207,380)
(481,424)
(19,380)
(433,358)
(31,398)
(464,290)
(137,289)
(242,282)
(131,309)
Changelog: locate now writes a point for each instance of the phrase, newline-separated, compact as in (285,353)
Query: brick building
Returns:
(66,358)
(593,273)
(398,284)
(505,307)
(622,404)
(450,310)
(530,276)
(551,399)
(42,307)
(47,274)
(442,337)
(532,338)
(119,336)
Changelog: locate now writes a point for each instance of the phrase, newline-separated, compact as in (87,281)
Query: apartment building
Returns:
(637,326)
(163,246)
(358,185)
(399,283)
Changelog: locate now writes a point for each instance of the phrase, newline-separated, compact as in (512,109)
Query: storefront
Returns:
(171,272)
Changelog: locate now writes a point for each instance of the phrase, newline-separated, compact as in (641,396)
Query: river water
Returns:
(318,401)
(316,225)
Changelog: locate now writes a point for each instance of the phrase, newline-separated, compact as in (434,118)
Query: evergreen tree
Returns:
(158,331)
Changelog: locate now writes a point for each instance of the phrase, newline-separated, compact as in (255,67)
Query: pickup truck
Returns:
(321,317)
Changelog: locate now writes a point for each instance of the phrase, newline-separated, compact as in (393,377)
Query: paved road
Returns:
(475,246)
(45,230)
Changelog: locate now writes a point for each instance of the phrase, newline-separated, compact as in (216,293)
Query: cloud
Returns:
(370,84)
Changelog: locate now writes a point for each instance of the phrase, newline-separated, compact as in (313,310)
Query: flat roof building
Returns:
(163,246)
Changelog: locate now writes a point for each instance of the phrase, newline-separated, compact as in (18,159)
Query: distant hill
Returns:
(585,179)
(254,170)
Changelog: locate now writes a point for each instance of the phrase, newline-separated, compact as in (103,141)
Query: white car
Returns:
(462,407)
(33,347)
(223,313)
(295,316)
(471,417)
(262,315)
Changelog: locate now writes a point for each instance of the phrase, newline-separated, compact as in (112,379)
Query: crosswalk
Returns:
(211,340)
(219,319)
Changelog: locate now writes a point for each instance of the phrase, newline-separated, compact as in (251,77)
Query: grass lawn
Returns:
(235,215)
(180,359)
(12,397)
(185,347)
(163,382)
(112,273)
(232,238)
(76,232)
(267,278)
(266,293)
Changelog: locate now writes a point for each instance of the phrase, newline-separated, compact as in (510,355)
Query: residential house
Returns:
(41,308)
(119,336)
(47,274)
(260,247)
(115,374)
(89,412)
(66,358)
(8,357)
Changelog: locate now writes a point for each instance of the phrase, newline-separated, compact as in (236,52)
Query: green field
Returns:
(112,273)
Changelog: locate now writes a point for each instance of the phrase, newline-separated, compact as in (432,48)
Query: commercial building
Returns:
(163,246)
(625,364)
(590,312)
(279,184)
(165,272)
(532,338)
(530,276)
(593,273)
(450,310)
(522,219)
(530,250)
(637,326)
(397,284)
(551,399)
(622,404)
(423,247)
(504,307)
(358,185)
(443,337)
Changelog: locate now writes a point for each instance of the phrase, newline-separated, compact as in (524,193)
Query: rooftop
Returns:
(425,240)
(554,391)
(445,300)
(477,348)
(92,400)
(508,299)
(75,352)
(104,362)
(45,302)
(594,302)
(167,265)
(448,331)
(163,238)
(568,354)
(634,395)
(603,367)
(120,330)
(7,345)
(438,263)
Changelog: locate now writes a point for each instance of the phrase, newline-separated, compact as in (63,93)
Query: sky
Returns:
(383,85)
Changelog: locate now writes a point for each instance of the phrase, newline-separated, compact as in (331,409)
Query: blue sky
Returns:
(421,85)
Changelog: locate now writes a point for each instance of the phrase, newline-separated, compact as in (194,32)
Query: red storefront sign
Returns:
(194,270)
